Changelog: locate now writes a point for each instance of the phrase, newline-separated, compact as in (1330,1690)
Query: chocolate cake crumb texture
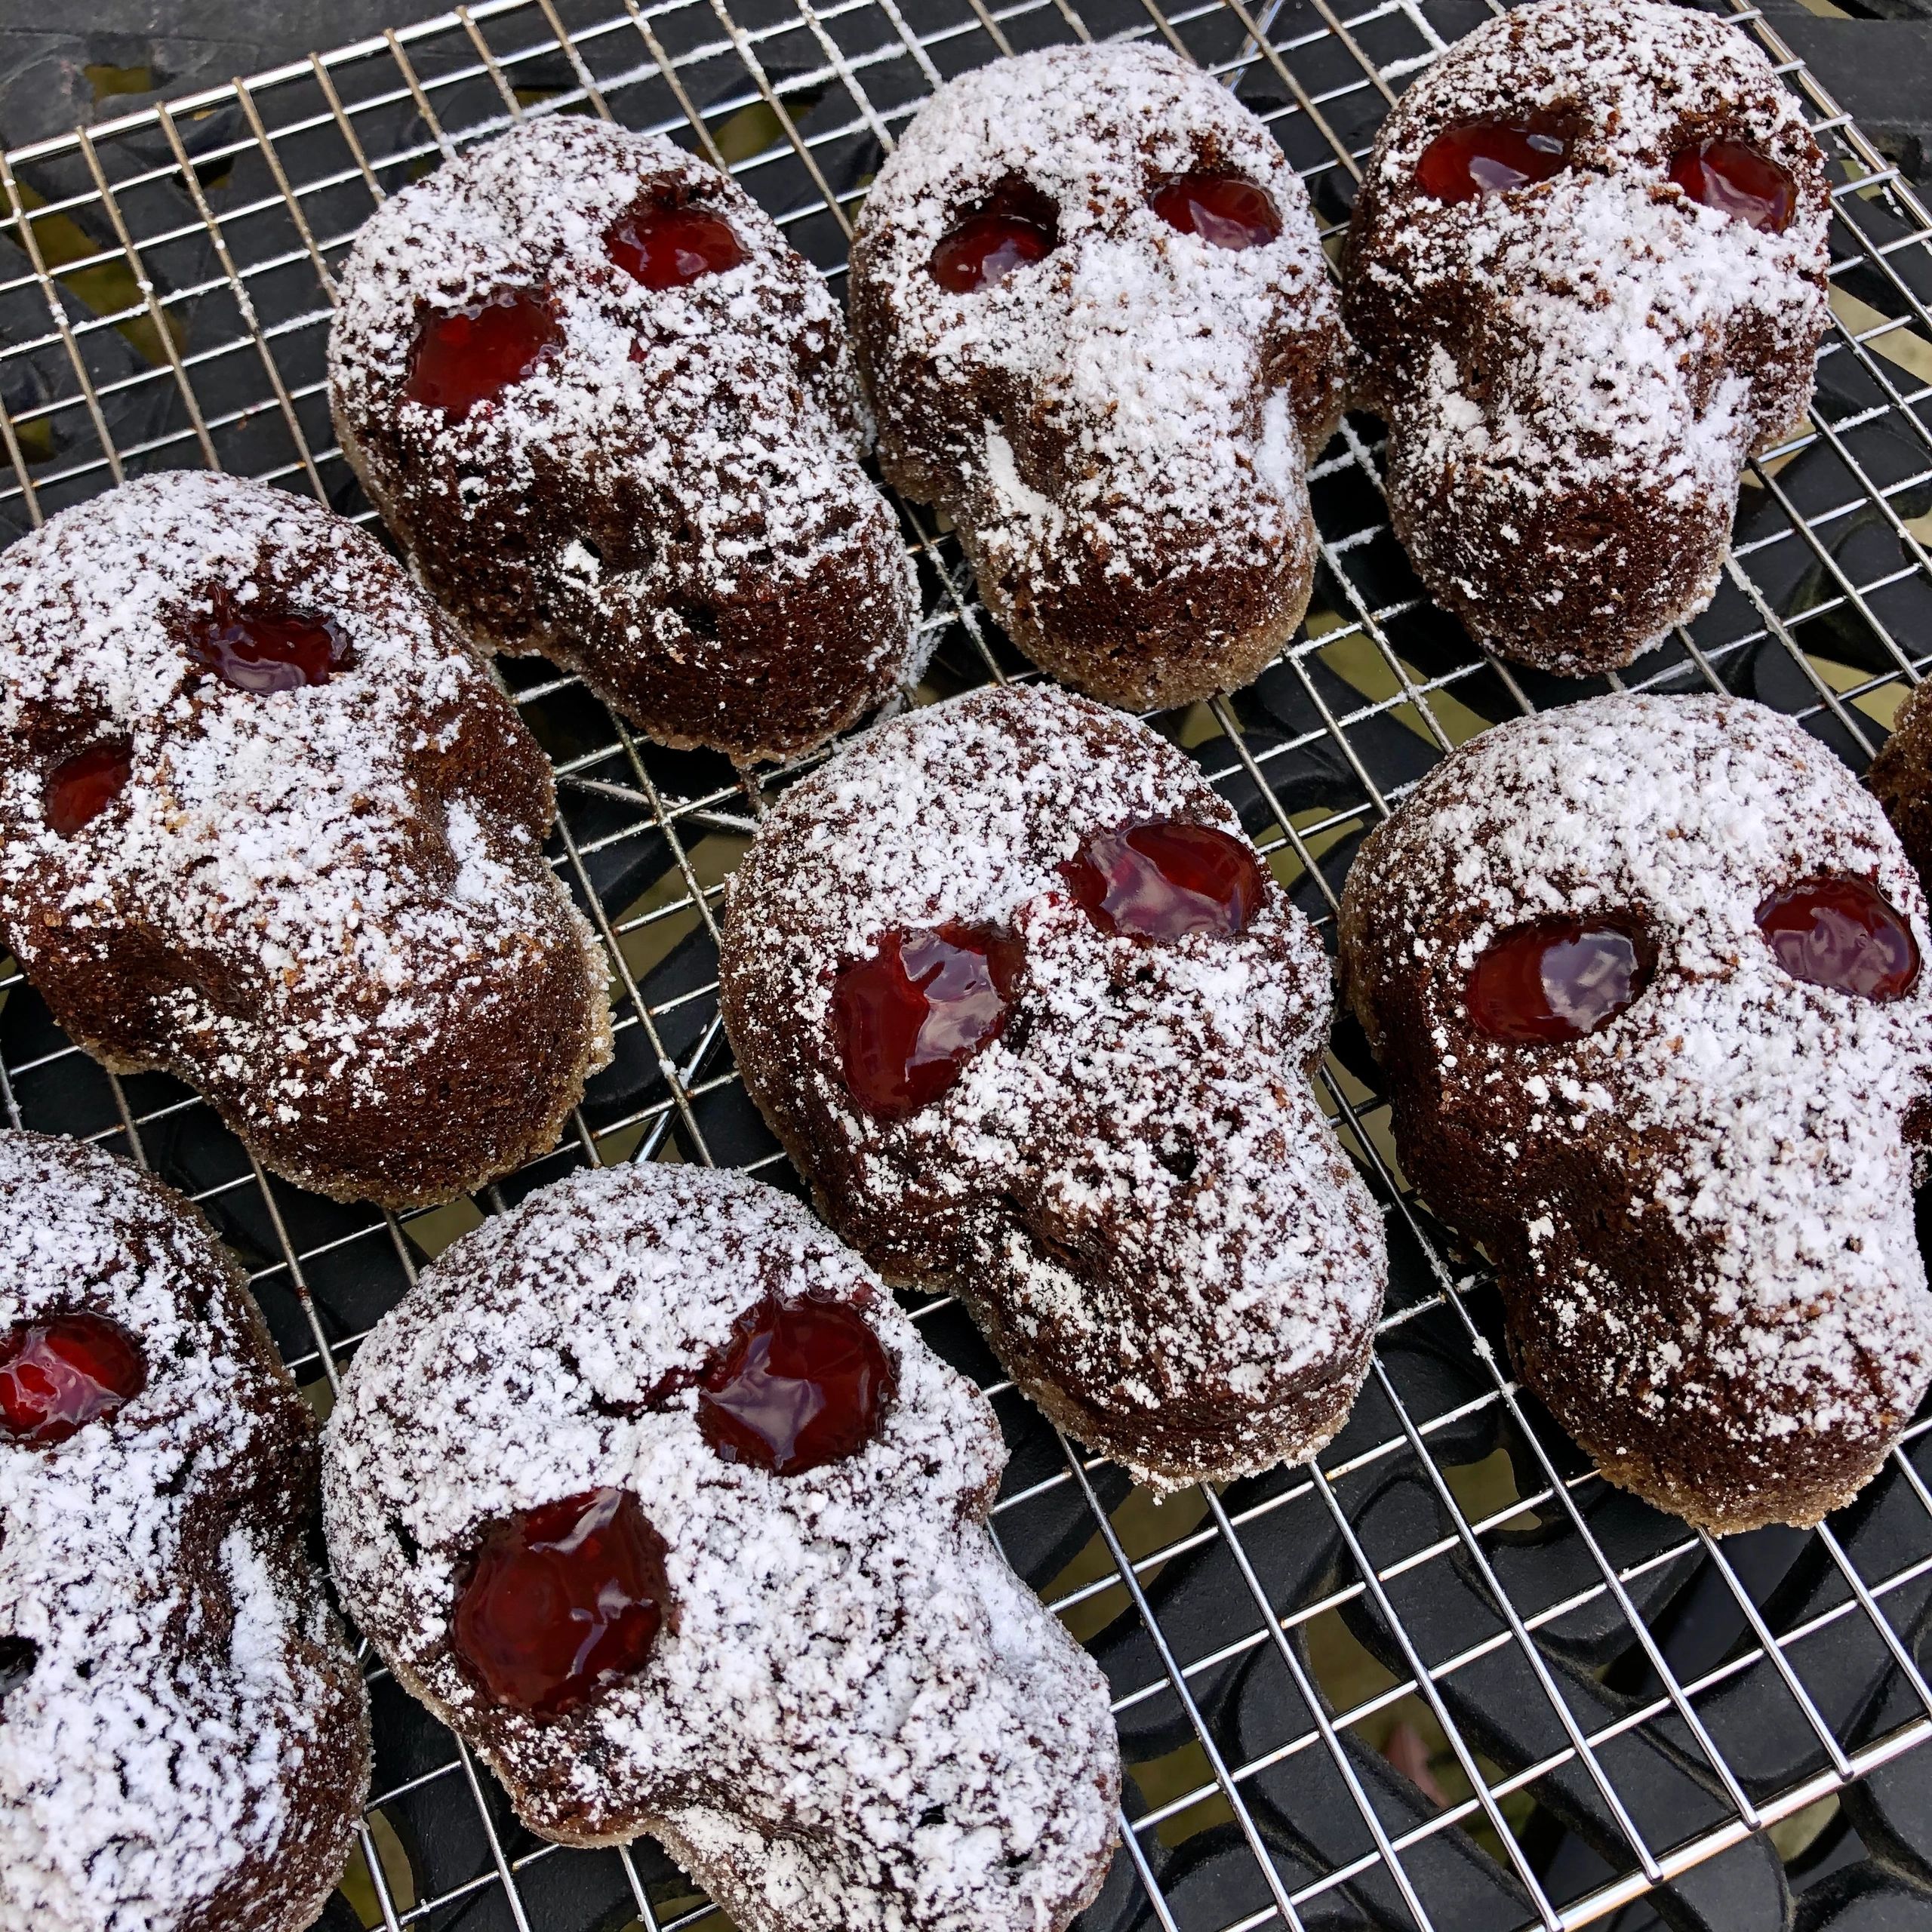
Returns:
(1702,1212)
(1132,1188)
(1122,429)
(671,502)
(328,907)
(189,1748)
(856,1717)
(1574,372)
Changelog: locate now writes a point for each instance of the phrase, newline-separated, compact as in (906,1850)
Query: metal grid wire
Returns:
(1447,1678)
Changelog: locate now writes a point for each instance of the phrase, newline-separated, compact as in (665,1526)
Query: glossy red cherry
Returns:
(266,649)
(1737,180)
(59,1374)
(472,355)
(666,247)
(1557,979)
(1013,227)
(562,1599)
(908,1019)
(82,787)
(1223,209)
(1161,880)
(1486,157)
(1840,933)
(800,1384)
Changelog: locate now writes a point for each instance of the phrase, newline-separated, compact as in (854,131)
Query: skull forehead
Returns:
(1632,80)
(1693,808)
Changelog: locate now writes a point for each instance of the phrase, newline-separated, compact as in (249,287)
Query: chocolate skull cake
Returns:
(1901,776)
(1644,976)
(266,823)
(1037,1025)
(1097,330)
(611,415)
(649,1491)
(1585,279)
(184,1739)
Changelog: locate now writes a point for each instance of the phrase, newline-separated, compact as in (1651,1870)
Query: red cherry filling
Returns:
(1557,979)
(801,1383)
(562,1599)
(908,1019)
(82,787)
(666,247)
(1486,157)
(1222,209)
(471,355)
(1013,227)
(266,649)
(59,1374)
(1161,880)
(1735,181)
(1840,933)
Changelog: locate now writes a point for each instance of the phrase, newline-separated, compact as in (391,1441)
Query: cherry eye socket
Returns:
(1012,227)
(1738,181)
(265,647)
(1164,879)
(1489,157)
(81,788)
(1843,933)
(1557,979)
(562,1599)
(60,1373)
(1224,210)
(800,1384)
(470,356)
(909,1018)
(667,247)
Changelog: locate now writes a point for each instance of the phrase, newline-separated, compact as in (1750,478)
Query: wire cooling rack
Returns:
(1448,1679)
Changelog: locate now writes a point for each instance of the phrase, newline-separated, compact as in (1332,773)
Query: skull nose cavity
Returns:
(466,358)
(907,1020)
(1738,181)
(1843,933)
(1163,879)
(80,787)
(800,1384)
(1013,227)
(562,1599)
(1553,980)
(1225,210)
(669,247)
(1479,157)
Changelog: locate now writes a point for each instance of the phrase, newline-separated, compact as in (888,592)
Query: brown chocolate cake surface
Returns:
(1132,1186)
(1574,369)
(669,500)
(184,1746)
(1120,428)
(1901,777)
(1700,1210)
(852,1717)
(326,905)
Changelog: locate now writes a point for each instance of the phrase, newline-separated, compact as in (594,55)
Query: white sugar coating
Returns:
(286,851)
(1600,330)
(191,1700)
(1152,1200)
(721,418)
(1126,387)
(847,1654)
(1768,1115)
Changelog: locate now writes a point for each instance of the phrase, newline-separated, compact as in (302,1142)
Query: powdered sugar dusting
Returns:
(1133,1186)
(1598,339)
(856,1719)
(292,902)
(1763,1116)
(189,1747)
